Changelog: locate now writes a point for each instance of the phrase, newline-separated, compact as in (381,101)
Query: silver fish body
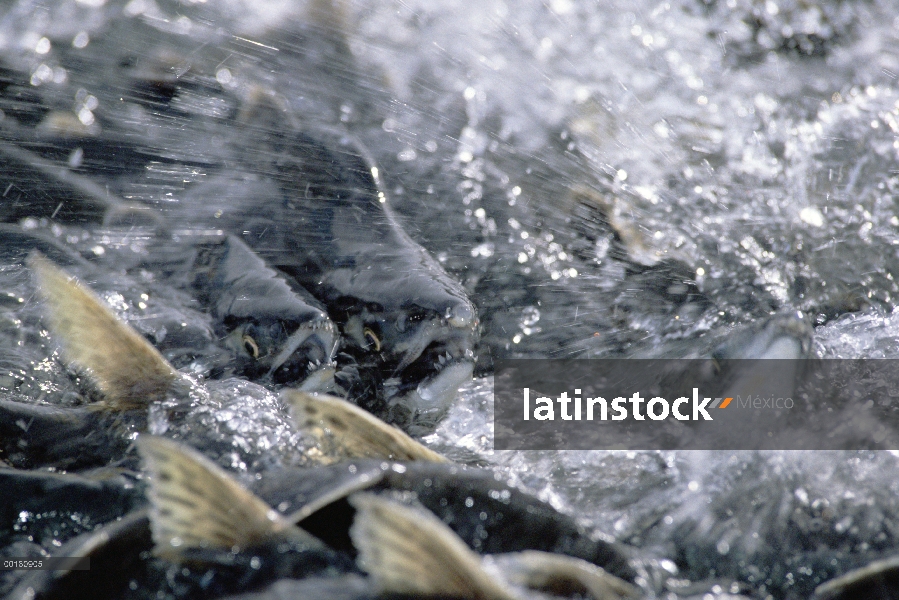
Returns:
(487,514)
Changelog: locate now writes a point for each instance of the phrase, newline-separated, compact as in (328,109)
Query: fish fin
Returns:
(195,504)
(863,582)
(343,430)
(125,367)
(562,575)
(411,551)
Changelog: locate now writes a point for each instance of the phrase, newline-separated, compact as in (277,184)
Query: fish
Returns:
(203,535)
(395,301)
(786,335)
(408,329)
(67,438)
(225,517)
(43,506)
(131,376)
(19,242)
(347,587)
(114,554)
(317,211)
(203,525)
(276,331)
(128,372)
(408,551)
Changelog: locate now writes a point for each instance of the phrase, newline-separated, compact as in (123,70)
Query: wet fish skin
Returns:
(316,499)
(200,514)
(100,433)
(375,275)
(346,587)
(560,575)
(876,581)
(17,243)
(115,555)
(196,505)
(127,370)
(786,335)
(48,507)
(204,535)
(121,553)
(38,435)
(76,198)
(515,521)
(317,351)
(411,552)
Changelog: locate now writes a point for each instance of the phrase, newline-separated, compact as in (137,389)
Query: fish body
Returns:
(491,516)
(275,331)
(206,529)
(409,330)
(34,504)
(878,580)
(123,385)
(70,438)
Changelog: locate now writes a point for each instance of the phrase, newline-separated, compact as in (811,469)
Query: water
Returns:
(605,178)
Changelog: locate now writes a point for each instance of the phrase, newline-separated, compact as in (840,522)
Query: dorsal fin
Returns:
(125,367)
(195,504)
(410,551)
(345,431)
(562,575)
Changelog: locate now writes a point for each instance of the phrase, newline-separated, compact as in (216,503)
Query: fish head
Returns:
(274,329)
(424,353)
(284,351)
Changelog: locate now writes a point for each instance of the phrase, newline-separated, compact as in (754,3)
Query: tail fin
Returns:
(128,370)
(562,575)
(195,504)
(345,431)
(410,551)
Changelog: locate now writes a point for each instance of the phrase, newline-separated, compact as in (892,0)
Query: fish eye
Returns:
(372,338)
(249,344)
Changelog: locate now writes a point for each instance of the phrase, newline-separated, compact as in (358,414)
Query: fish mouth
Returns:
(418,410)
(785,336)
(306,359)
(425,383)
(405,365)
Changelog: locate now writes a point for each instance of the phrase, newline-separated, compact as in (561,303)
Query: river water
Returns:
(607,179)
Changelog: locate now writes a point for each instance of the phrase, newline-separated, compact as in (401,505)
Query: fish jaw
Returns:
(423,357)
(284,352)
(436,362)
(307,357)
(785,336)
(421,409)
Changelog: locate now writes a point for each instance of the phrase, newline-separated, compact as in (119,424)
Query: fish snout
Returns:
(307,356)
(450,335)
